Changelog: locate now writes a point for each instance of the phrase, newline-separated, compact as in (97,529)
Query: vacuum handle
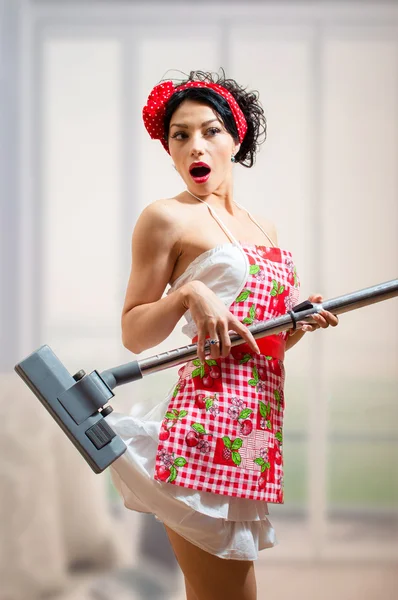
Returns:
(302,313)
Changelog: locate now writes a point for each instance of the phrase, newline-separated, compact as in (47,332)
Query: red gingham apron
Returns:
(222,432)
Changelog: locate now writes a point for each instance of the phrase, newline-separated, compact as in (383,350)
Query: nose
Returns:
(197,145)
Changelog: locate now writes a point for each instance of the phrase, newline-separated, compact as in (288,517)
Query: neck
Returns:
(217,201)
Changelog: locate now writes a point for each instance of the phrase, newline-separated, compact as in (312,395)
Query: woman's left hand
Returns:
(322,319)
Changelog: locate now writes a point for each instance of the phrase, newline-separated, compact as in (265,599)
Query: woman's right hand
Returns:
(212,318)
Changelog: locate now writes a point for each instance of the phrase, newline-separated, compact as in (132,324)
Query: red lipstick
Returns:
(200,172)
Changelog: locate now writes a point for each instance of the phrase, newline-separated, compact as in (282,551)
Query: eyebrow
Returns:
(186,126)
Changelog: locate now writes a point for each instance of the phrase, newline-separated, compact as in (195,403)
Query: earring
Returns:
(232,158)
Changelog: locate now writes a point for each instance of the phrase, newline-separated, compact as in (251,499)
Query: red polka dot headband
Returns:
(154,111)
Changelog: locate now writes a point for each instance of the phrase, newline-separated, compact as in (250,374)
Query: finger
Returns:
(309,327)
(214,348)
(315,298)
(246,334)
(320,320)
(333,320)
(201,346)
(225,340)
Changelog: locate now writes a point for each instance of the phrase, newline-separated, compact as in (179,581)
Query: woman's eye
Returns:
(182,135)
(179,135)
(213,130)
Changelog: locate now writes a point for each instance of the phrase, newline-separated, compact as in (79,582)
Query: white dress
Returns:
(228,527)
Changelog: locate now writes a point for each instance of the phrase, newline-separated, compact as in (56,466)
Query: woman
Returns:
(208,458)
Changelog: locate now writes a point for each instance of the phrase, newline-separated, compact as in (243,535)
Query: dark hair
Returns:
(248,103)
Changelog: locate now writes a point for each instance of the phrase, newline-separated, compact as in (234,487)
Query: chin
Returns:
(208,187)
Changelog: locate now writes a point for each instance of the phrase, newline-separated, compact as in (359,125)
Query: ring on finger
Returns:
(215,341)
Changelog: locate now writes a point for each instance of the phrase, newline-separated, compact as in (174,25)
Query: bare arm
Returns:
(147,318)
(293,338)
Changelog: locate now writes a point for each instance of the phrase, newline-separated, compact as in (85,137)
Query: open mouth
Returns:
(200,172)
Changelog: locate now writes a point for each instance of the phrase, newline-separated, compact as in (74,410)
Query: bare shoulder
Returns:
(159,212)
(155,250)
(158,222)
(168,210)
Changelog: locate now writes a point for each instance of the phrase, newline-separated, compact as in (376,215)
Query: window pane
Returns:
(363,474)
(296,473)
(363,405)
(81,185)
(360,190)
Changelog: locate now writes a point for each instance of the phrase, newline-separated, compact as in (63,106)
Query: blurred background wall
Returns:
(77,167)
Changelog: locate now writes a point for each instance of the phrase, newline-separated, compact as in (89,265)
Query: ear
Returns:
(236,148)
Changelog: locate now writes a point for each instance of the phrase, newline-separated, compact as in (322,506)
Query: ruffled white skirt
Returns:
(231,528)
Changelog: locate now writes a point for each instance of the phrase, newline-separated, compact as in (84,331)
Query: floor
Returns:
(332,582)
(286,572)
(286,582)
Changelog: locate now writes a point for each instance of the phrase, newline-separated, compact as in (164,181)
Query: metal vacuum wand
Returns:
(77,403)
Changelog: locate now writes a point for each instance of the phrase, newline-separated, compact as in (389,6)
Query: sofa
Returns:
(58,524)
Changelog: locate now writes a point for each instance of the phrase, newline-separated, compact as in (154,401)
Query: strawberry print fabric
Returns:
(223,428)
